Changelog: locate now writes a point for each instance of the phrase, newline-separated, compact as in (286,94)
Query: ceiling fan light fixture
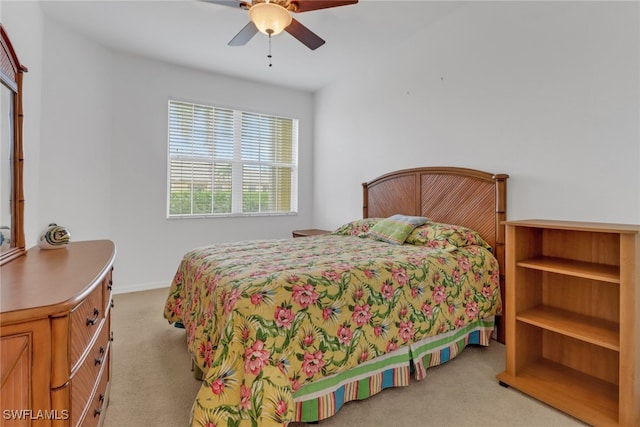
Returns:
(270,18)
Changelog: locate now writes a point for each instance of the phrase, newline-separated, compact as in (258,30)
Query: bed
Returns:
(291,329)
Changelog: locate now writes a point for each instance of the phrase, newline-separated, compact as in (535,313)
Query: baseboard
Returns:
(141,287)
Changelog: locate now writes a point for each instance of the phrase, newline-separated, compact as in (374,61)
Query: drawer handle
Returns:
(98,411)
(99,360)
(110,285)
(96,314)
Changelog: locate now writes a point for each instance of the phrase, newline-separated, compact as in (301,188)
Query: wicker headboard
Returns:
(461,196)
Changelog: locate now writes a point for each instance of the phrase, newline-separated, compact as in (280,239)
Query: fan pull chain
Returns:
(269,55)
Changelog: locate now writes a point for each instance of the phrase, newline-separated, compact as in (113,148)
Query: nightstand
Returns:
(310,232)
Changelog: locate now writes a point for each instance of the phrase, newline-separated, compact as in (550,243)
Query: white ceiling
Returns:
(195,34)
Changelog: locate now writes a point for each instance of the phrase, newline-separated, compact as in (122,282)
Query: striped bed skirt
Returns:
(324,398)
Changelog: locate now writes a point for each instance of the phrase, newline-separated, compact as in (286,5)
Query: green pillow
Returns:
(396,228)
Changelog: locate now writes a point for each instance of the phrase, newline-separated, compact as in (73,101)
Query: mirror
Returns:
(12,243)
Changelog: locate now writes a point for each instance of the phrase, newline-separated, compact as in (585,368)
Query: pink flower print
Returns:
(486,291)
(281,408)
(455,275)
(361,314)
(464,264)
(413,261)
(195,299)
(377,330)
(213,282)
(331,275)
(364,356)
(217,387)
(231,300)
(330,313)
(471,310)
(400,276)
(403,311)
(295,384)
(451,308)
(469,236)
(308,340)
(495,277)
(305,295)
(368,273)
(459,323)
(427,310)
(209,424)
(292,279)
(210,309)
(439,295)
(344,335)
(191,332)
(284,317)
(205,353)
(358,294)
(256,298)
(415,292)
(434,244)
(387,291)
(473,249)
(255,358)
(198,274)
(391,346)
(312,363)
(176,308)
(245,397)
(282,366)
(406,330)
(178,277)
(245,333)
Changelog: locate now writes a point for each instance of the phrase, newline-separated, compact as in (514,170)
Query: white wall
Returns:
(547,92)
(75,150)
(150,246)
(96,147)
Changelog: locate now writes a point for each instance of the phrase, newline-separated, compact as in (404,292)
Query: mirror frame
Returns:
(11,73)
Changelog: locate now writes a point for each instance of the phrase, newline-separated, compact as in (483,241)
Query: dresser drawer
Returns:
(98,404)
(85,378)
(107,285)
(85,320)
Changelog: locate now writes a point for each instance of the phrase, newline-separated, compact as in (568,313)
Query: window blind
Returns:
(230,162)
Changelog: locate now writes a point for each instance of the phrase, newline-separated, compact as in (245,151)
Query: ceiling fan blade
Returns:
(233,3)
(307,5)
(244,35)
(304,35)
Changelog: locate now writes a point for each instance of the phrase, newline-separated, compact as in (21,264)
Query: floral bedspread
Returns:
(264,317)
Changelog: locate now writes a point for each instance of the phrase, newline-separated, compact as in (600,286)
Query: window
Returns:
(229,162)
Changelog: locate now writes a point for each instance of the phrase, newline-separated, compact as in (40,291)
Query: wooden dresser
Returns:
(55,336)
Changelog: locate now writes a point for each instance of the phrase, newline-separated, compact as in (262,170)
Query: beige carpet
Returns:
(152,384)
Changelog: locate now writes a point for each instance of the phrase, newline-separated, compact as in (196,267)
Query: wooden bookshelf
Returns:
(573,317)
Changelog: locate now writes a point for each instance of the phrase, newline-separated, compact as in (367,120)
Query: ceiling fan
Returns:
(271,17)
